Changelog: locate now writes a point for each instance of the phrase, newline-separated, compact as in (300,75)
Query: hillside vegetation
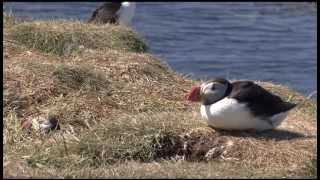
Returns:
(123,113)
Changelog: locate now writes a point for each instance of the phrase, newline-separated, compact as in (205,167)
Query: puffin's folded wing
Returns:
(259,100)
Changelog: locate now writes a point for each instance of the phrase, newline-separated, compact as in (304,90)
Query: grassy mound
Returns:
(8,20)
(123,114)
(65,38)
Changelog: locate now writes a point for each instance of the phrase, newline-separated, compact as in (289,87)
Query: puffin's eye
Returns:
(213,87)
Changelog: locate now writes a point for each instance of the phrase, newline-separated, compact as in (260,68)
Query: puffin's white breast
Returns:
(229,114)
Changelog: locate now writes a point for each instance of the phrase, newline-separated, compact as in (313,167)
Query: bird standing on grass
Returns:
(113,13)
(241,105)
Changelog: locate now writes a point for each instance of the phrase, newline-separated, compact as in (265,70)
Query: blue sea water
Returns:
(245,40)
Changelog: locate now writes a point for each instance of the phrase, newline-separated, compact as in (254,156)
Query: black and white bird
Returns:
(114,13)
(41,124)
(240,105)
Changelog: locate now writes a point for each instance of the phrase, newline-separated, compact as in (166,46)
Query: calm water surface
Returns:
(258,41)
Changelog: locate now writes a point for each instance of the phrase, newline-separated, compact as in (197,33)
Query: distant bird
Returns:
(241,105)
(42,124)
(113,13)
(50,124)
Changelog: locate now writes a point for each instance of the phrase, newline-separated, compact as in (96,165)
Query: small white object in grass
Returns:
(213,152)
(28,53)
(229,143)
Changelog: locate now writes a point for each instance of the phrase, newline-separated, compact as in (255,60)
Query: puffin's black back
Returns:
(106,13)
(260,101)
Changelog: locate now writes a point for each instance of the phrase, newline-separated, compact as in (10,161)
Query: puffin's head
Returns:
(210,92)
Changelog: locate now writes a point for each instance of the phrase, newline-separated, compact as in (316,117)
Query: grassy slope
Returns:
(123,113)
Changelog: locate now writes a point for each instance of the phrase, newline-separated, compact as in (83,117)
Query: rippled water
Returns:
(258,41)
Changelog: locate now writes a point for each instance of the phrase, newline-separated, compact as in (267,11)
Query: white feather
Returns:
(126,12)
(229,114)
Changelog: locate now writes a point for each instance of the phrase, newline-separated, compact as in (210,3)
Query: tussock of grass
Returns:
(311,168)
(66,38)
(135,138)
(77,78)
(8,20)
(123,114)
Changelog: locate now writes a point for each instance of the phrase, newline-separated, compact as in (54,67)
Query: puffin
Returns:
(240,105)
(113,13)
(45,125)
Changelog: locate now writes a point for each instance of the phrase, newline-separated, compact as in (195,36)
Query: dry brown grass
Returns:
(123,115)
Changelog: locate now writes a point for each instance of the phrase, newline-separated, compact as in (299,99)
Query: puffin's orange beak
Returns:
(194,94)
